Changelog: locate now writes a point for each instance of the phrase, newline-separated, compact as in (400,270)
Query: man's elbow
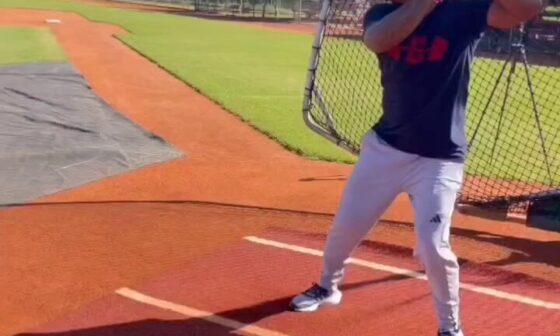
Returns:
(528,10)
(374,47)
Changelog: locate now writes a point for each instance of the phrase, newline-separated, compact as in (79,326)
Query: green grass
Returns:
(222,9)
(161,4)
(518,151)
(259,75)
(28,45)
(552,14)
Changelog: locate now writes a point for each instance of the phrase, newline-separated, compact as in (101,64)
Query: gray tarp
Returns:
(55,134)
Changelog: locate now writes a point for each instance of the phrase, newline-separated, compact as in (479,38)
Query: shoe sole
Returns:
(313,308)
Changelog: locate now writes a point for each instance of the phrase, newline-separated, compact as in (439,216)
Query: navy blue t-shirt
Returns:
(426,79)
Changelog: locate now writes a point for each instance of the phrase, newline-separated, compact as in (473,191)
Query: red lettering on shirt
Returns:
(396,53)
(419,51)
(439,48)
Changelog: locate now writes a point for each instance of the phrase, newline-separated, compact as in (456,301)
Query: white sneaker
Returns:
(457,332)
(315,297)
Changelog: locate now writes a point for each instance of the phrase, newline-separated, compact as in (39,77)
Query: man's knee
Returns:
(435,252)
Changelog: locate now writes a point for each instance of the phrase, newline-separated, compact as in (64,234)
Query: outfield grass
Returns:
(518,152)
(28,45)
(260,74)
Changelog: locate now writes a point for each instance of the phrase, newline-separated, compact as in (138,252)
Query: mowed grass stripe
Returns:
(28,45)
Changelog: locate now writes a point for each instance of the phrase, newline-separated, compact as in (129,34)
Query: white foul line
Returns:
(239,327)
(411,274)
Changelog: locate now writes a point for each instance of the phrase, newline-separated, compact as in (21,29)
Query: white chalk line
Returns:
(190,312)
(411,274)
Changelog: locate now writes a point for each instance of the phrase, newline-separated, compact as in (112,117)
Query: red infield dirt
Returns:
(176,230)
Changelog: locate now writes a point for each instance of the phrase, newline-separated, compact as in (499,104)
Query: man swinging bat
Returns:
(425,50)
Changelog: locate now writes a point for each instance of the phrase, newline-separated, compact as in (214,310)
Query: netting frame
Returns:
(328,131)
(310,87)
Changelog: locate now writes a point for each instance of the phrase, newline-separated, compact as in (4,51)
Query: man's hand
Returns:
(390,31)
(505,14)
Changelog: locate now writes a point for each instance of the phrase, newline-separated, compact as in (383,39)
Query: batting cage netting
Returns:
(513,111)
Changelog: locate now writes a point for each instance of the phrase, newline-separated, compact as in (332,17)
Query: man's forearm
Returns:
(389,32)
(523,10)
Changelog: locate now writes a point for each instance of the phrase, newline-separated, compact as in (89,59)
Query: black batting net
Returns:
(513,112)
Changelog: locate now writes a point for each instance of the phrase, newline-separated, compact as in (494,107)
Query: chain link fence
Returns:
(307,10)
(513,112)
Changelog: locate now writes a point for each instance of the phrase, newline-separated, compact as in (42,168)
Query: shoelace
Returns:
(316,292)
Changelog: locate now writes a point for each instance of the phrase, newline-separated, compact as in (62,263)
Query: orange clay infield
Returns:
(216,243)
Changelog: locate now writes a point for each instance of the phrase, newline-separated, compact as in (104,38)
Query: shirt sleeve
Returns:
(377,13)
